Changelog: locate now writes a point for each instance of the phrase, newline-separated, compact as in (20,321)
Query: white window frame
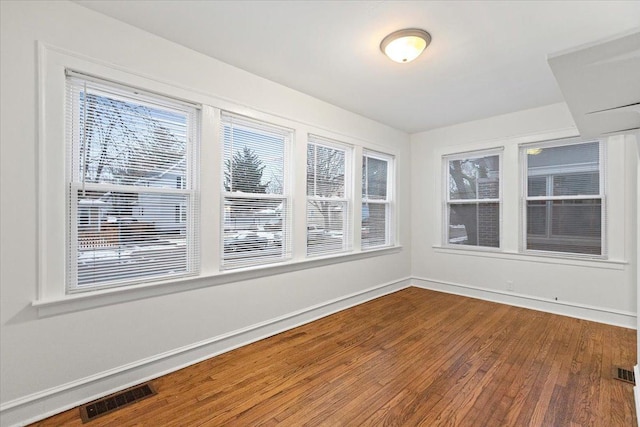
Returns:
(76,183)
(55,283)
(389,202)
(447,201)
(346,200)
(52,297)
(602,162)
(288,136)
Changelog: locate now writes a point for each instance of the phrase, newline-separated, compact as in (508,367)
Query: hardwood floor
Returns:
(415,357)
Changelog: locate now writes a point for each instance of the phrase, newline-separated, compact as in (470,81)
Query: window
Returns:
(376,200)
(255,195)
(473,197)
(328,208)
(121,191)
(126,152)
(564,203)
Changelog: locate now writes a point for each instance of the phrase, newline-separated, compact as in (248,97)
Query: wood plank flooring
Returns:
(412,358)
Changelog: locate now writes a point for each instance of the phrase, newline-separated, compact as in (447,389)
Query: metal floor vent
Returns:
(625,375)
(113,402)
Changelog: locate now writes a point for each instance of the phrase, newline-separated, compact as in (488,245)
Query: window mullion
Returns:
(469,201)
(210,183)
(552,198)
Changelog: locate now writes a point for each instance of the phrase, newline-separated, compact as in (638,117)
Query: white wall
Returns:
(636,389)
(636,139)
(49,363)
(603,291)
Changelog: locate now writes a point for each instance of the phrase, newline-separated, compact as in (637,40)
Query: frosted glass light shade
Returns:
(405,45)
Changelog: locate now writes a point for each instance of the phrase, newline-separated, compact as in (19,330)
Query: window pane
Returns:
(537,217)
(474,224)
(375,230)
(132,209)
(574,169)
(577,184)
(326,225)
(570,225)
(128,143)
(565,226)
(374,224)
(537,186)
(327,220)
(474,178)
(253,230)
(570,156)
(374,178)
(311,182)
(129,236)
(253,157)
(325,171)
(576,218)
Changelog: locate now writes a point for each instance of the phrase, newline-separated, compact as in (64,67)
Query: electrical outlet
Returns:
(510,285)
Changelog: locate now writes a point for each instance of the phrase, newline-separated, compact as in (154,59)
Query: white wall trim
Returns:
(608,316)
(109,296)
(539,257)
(38,406)
(223,102)
(53,63)
(636,392)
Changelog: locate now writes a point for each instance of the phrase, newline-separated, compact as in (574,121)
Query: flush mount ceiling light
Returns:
(405,45)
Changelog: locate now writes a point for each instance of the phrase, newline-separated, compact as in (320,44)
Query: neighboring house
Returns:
(142,217)
(167,212)
(329,218)
(92,213)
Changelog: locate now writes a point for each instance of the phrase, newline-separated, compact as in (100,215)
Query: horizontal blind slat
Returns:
(564,203)
(132,187)
(376,206)
(328,211)
(256,214)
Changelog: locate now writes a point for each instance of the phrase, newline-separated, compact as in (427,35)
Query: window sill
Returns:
(533,257)
(99,298)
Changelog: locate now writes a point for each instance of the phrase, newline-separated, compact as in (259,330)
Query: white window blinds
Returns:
(376,200)
(473,197)
(255,195)
(328,207)
(132,199)
(564,203)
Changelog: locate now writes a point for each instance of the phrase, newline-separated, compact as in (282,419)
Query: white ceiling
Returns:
(486,57)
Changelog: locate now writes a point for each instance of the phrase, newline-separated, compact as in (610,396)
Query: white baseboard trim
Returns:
(636,392)
(49,402)
(580,311)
